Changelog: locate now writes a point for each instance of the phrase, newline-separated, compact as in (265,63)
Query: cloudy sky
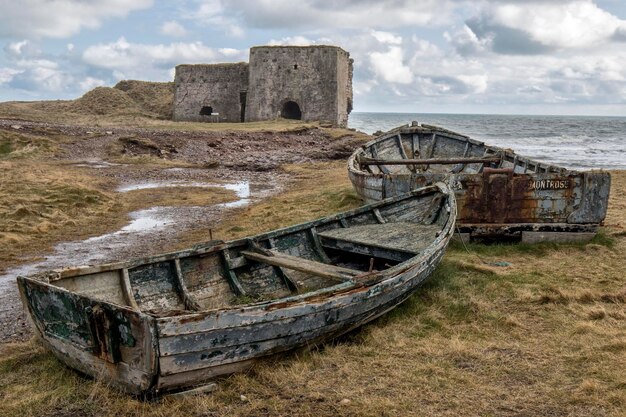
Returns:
(452,56)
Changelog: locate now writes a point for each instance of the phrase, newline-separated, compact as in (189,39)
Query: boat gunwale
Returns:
(438,243)
(354,166)
(336,290)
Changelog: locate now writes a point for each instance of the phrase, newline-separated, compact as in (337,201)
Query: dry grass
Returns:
(318,189)
(543,336)
(105,101)
(176,197)
(138,104)
(127,100)
(154,97)
(111,107)
(44,203)
(16,146)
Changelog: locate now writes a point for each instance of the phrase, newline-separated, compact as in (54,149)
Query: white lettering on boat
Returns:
(549,184)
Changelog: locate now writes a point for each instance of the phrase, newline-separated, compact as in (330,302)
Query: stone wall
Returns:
(316,78)
(344,88)
(216,88)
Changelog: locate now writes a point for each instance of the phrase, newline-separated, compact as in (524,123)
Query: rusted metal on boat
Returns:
(500,194)
(177,320)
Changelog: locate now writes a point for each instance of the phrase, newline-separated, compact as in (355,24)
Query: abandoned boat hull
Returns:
(182,359)
(122,323)
(511,196)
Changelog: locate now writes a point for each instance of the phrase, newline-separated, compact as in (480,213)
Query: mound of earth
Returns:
(153,97)
(104,101)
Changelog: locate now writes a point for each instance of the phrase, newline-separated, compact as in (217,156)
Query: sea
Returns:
(575,142)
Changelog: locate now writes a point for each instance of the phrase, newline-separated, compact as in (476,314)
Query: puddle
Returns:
(145,233)
(242,189)
(143,221)
(96,163)
(98,249)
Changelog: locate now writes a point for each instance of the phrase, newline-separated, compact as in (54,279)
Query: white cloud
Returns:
(50,78)
(7,74)
(387,37)
(330,14)
(89,83)
(390,67)
(235,31)
(361,88)
(16,47)
(214,13)
(60,18)
(540,27)
(292,40)
(465,42)
(173,28)
(230,52)
(477,83)
(146,60)
(36,63)
(575,24)
(21,49)
(499,52)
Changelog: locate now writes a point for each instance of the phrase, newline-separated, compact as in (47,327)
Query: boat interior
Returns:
(438,150)
(318,257)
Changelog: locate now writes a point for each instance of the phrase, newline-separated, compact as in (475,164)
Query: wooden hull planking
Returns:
(509,198)
(133,324)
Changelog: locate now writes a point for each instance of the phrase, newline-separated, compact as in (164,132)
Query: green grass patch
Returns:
(603,239)
(16,145)
(5,148)
(341,200)
(535,249)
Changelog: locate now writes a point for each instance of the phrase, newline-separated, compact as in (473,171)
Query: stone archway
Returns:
(206,111)
(291,110)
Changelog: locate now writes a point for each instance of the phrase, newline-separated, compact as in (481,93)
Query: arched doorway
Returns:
(206,111)
(291,110)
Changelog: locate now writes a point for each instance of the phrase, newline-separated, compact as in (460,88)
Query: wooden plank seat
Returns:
(275,258)
(396,241)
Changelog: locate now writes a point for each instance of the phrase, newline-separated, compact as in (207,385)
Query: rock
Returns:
(210,164)
(345,401)
(243,398)
(108,132)
(16,127)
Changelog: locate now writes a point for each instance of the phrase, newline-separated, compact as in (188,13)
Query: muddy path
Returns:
(244,163)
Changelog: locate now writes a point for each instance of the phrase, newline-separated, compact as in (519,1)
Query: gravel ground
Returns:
(248,162)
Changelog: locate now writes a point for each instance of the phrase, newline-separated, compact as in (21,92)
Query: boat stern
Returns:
(111,343)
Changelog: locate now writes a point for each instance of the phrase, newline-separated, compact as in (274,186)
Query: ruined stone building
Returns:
(310,83)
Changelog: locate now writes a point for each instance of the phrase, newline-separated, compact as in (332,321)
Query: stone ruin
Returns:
(309,83)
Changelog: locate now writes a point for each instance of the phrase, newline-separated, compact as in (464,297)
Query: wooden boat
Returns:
(500,194)
(180,319)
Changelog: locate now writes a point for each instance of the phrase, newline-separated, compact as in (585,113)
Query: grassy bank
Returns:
(44,203)
(543,336)
(71,112)
(44,199)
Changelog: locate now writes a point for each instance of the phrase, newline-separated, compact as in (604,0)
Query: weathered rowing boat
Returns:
(499,193)
(180,319)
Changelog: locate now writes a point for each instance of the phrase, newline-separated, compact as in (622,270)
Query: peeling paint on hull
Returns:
(177,320)
(502,198)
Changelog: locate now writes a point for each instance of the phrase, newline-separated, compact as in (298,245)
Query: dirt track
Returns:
(245,162)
